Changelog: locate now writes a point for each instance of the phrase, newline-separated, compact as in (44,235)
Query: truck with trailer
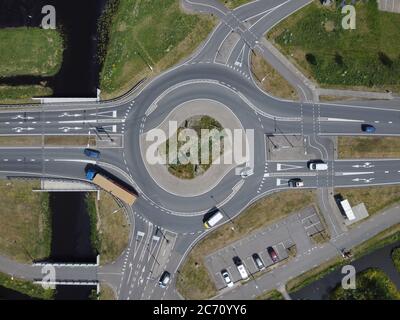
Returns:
(111,186)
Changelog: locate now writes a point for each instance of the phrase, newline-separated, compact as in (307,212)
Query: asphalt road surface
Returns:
(132,275)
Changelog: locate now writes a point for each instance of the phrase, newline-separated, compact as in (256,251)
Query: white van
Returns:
(242,271)
(213,219)
(318,166)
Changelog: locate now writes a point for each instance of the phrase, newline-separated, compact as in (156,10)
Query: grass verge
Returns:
(25,221)
(271,295)
(106,292)
(396,258)
(368,147)
(53,141)
(375,198)
(193,280)
(269,80)
(366,57)
(146,38)
(110,229)
(386,237)
(371,284)
(232,4)
(26,287)
(22,94)
(30,51)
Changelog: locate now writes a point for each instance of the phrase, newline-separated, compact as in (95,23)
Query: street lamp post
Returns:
(162,233)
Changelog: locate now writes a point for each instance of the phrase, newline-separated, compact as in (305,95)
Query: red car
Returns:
(272,253)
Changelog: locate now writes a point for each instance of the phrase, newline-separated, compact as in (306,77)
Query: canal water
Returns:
(71,234)
(77,19)
(70,228)
(8,294)
(380,259)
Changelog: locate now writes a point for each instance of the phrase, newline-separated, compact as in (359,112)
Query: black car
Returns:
(164,279)
(295,183)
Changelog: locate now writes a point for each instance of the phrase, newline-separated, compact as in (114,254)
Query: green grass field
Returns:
(368,147)
(109,226)
(26,287)
(25,222)
(375,198)
(371,284)
(19,94)
(30,51)
(365,57)
(148,35)
(396,258)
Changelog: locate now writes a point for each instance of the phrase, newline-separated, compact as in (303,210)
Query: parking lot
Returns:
(292,232)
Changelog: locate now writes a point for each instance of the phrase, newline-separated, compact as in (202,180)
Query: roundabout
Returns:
(218,168)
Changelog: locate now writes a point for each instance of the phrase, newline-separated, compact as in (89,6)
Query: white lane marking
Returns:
(113,120)
(364,180)
(339,120)
(352,173)
(19,129)
(75,160)
(23,117)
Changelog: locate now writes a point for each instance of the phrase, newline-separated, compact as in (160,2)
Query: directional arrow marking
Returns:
(365,180)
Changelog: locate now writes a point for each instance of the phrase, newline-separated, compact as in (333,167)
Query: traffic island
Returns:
(192,181)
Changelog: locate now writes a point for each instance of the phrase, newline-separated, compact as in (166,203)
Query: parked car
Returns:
(272,253)
(257,260)
(239,265)
(368,128)
(317,165)
(227,278)
(92,153)
(164,279)
(295,183)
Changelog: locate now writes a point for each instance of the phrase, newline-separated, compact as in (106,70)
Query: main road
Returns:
(166,225)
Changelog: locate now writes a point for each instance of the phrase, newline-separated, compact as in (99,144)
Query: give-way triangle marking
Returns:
(106,114)
(284,167)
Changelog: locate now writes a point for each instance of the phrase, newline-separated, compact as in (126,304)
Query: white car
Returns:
(246,172)
(239,265)
(318,165)
(227,279)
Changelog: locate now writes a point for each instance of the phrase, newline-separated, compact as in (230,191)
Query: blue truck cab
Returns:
(90,173)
